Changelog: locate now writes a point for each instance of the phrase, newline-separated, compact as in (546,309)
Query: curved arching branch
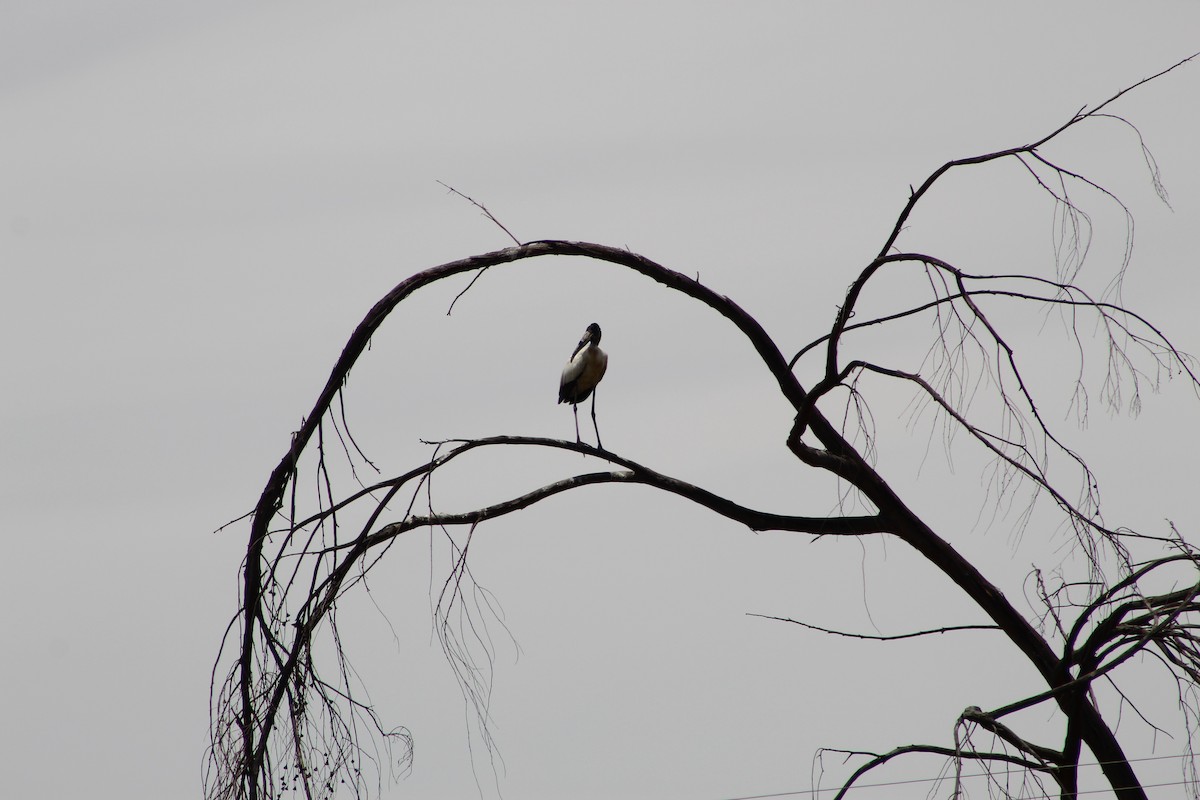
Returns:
(876,760)
(1028,440)
(634,473)
(1165,622)
(1125,588)
(350,554)
(1024,463)
(880,637)
(256,717)
(847,310)
(274,670)
(254,740)
(1080,116)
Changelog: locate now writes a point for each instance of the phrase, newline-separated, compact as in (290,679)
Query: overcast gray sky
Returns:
(199,201)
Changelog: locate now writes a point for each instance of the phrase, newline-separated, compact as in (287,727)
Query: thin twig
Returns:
(876,637)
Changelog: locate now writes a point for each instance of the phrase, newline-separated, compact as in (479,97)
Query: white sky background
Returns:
(198,202)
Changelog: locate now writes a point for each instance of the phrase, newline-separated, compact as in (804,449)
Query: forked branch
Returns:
(300,565)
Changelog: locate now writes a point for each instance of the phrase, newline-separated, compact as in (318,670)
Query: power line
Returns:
(1144,786)
(993,773)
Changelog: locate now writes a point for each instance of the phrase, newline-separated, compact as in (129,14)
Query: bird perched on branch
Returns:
(581,374)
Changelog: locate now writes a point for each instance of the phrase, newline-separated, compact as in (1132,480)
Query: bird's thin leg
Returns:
(594,425)
(575,408)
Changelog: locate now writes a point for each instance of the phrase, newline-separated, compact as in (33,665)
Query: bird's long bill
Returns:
(587,337)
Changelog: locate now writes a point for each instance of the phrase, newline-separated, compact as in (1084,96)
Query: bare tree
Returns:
(287,711)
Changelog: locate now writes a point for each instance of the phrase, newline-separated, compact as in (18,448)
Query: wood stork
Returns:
(581,374)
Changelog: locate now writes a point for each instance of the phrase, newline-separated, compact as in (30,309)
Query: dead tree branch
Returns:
(277,711)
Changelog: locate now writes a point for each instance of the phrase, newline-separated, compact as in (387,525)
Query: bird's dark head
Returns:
(593,333)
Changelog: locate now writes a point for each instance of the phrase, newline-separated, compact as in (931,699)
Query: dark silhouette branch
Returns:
(990,724)
(323,595)
(322,554)
(880,637)
(848,308)
(879,759)
(837,456)
(1169,608)
(487,214)
(1080,116)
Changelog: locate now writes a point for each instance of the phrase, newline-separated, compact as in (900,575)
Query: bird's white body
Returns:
(584,370)
(582,373)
